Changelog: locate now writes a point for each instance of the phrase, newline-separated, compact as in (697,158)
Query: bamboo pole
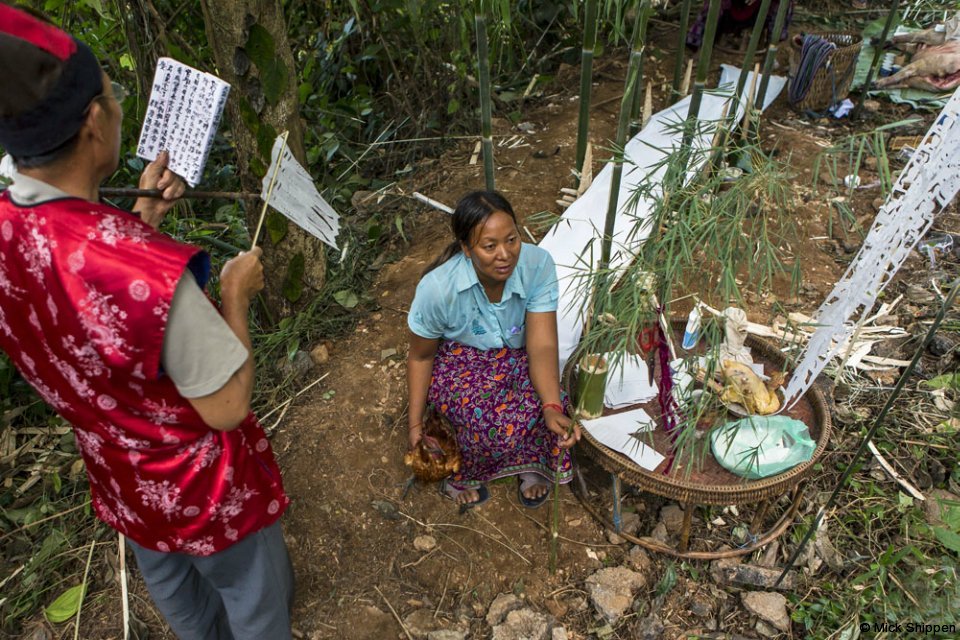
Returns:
(636,55)
(124,192)
(483,69)
(635,121)
(877,54)
(591,18)
(681,48)
(771,56)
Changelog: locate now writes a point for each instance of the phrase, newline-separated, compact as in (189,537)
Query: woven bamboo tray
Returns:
(708,482)
(831,82)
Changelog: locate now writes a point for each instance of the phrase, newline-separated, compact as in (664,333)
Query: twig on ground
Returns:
(294,397)
(912,490)
(394,612)
(460,526)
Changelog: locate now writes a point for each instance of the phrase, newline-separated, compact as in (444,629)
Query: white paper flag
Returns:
(295,196)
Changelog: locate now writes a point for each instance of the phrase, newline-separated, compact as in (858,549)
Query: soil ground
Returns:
(352,526)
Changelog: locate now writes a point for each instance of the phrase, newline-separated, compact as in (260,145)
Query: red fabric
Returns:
(37,32)
(84,295)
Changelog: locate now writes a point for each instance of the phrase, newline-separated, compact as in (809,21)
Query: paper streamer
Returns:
(295,196)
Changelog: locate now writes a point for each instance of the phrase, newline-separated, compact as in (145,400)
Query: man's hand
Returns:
(241,278)
(157,176)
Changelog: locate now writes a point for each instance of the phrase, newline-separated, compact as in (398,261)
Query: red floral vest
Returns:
(84,294)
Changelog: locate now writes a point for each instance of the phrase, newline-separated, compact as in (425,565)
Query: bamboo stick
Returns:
(483,68)
(591,18)
(681,49)
(635,118)
(124,192)
(877,54)
(771,56)
(636,55)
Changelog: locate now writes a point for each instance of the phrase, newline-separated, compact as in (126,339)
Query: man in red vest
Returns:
(106,318)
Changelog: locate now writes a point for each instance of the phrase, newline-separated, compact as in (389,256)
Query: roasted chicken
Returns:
(744,387)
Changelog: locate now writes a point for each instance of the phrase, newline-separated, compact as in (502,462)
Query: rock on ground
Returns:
(420,623)
(769,607)
(524,624)
(446,634)
(611,591)
(501,606)
(651,628)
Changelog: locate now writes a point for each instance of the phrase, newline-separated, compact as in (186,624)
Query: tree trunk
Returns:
(249,43)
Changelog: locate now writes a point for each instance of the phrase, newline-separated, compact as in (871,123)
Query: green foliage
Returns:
(293,282)
(66,605)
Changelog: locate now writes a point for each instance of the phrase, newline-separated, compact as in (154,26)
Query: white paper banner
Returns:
(296,196)
(927,184)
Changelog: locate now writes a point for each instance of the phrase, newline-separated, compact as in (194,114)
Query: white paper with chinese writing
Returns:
(182,117)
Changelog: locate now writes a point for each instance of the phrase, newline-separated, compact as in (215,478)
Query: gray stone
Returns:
(659,533)
(769,607)
(559,633)
(766,630)
(701,606)
(420,622)
(446,634)
(650,628)
(320,354)
(753,576)
(638,559)
(611,591)
(524,624)
(613,538)
(501,606)
(424,543)
(672,518)
(630,523)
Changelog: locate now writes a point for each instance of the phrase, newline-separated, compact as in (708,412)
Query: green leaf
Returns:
(293,283)
(946,381)
(57,483)
(276,224)
(127,62)
(346,299)
(96,5)
(274,77)
(453,106)
(260,47)
(66,605)
(947,538)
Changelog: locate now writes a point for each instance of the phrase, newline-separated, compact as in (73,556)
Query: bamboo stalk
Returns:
(647,105)
(877,54)
(635,122)
(273,182)
(636,55)
(681,48)
(771,56)
(483,68)
(591,18)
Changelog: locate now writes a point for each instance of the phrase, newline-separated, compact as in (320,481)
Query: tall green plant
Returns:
(483,68)
(681,48)
(770,58)
(586,81)
(636,56)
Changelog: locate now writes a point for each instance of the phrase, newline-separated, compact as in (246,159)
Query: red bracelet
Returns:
(556,407)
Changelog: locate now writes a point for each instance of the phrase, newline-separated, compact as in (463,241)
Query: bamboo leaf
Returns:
(66,605)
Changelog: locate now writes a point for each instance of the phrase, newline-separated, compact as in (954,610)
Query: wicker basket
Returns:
(831,82)
(720,487)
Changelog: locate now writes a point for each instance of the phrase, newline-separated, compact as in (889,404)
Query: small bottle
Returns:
(691,333)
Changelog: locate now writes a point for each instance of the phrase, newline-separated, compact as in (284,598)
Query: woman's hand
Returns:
(560,424)
(415,434)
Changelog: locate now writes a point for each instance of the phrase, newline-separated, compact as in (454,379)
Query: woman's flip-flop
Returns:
(531,503)
(451,494)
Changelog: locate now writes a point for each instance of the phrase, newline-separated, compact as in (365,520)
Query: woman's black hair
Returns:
(471,212)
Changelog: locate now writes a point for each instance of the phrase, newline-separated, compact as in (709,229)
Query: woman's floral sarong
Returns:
(497,414)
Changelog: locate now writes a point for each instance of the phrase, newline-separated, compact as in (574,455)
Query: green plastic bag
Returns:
(762,446)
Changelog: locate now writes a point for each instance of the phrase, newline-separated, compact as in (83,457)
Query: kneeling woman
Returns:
(483,352)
